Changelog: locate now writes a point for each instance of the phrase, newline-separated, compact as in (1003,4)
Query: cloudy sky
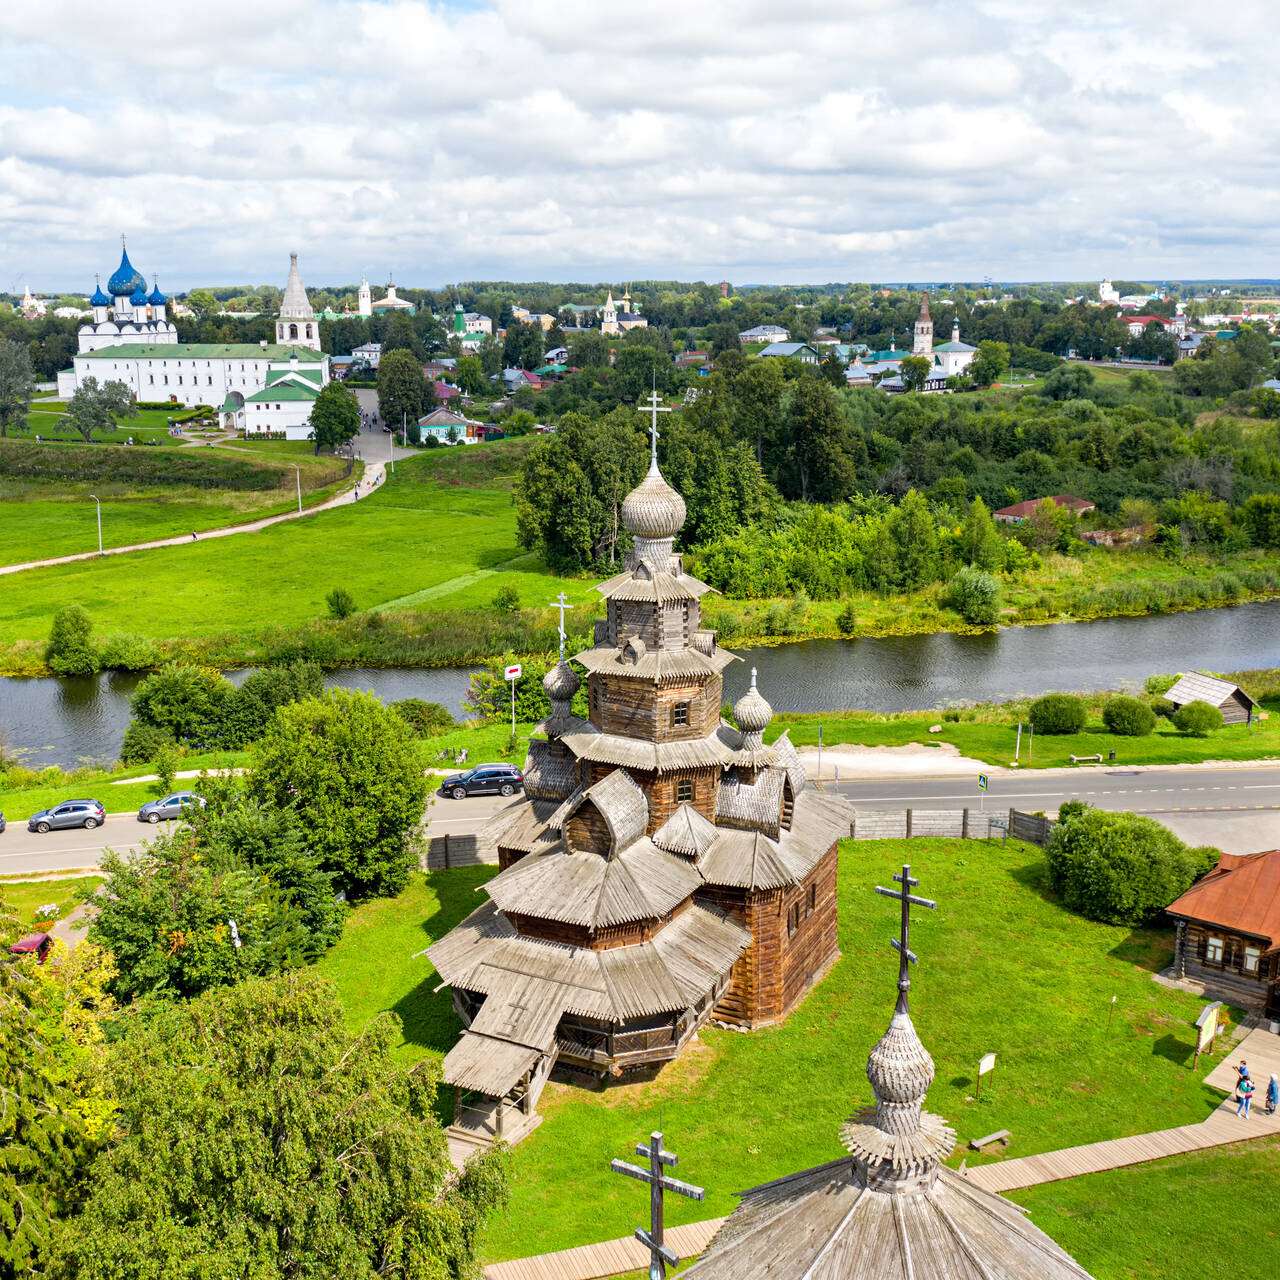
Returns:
(757,140)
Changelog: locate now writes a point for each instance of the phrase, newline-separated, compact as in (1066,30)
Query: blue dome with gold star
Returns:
(99,298)
(126,279)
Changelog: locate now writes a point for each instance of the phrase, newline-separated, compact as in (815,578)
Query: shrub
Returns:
(165,766)
(1128,717)
(188,703)
(975,596)
(1120,868)
(124,651)
(847,620)
(1059,713)
(340,602)
(70,649)
(1160,684)
(507,599)
(1163,707)
(426,719)
(1197,718)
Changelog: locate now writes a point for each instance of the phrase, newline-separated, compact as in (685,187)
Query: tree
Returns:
(914,370)
(975,596)
(1120,868)
(819,457)
(589,350)
(350,767)
(1069,382)
(991,363)
(335,416)
(914,539)
(524,346)
(186,703)
(70,650)
(201,302)
(978,538)
(469,376)
(1260,516)
(259,1138)
(17,386)
(638,369)
(96,408)
(402,388)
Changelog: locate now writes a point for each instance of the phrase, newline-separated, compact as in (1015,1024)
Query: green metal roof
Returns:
(203,351)
(286,391)
(279,375)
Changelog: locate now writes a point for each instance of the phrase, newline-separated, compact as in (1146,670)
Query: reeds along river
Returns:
(67,721)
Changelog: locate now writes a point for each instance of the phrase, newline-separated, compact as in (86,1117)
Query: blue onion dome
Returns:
(99,298)
(653,509)
(139,296)
(157,299)
(126,279)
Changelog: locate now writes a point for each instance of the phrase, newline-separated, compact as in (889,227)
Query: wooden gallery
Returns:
(664,867)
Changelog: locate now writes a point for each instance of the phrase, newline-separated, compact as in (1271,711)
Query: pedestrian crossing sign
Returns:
(982,782)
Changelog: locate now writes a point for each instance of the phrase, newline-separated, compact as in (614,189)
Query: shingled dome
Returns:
(653,509)
(751,713)
(561,682)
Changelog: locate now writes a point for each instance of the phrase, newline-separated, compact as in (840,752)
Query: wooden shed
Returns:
(1236,705)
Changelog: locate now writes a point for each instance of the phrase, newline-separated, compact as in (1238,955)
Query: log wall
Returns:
(639,709)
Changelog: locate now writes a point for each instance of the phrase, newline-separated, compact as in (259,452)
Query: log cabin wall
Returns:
(636,709)
(587,831)
(1220,959)
(794,943)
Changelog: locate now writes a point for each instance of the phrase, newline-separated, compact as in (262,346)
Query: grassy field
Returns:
(1163,1219)
(427,534)
(24,897)
(1003,968)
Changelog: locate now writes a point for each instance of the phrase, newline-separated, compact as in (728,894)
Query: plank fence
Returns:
(955,824)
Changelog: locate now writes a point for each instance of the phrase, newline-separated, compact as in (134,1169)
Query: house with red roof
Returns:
(1228,937)
(1021,511)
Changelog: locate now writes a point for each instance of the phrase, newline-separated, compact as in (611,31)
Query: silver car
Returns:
(74,813)
(169,807)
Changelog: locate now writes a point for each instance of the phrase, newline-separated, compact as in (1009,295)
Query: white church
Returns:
(949,359)
(260,388)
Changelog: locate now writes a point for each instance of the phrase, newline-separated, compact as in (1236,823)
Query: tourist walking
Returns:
(1244,1092)
(1273,1095)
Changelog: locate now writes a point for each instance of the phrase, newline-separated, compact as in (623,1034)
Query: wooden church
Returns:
(665,866)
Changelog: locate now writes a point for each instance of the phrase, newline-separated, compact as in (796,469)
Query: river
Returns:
(67,721)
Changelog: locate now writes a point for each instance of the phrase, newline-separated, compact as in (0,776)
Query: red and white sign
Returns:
(514,673)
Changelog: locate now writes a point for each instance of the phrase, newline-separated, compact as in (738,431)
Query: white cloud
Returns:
(873,139)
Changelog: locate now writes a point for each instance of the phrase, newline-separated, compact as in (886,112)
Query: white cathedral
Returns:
(127,312)
(949,359)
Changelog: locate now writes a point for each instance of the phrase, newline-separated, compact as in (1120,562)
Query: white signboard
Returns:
(988,1063)
(513,673)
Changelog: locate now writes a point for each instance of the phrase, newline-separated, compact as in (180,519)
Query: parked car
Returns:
(36,944)
(170,806)
(74,813)
(483,780)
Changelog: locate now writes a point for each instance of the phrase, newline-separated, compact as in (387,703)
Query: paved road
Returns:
(24,852)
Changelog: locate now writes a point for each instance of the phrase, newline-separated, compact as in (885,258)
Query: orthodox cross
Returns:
(905,954)
(562,604)
(653,406)
(658,1183)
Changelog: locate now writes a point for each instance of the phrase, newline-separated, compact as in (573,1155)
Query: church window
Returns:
(680,713)
(151,378)
(293,331)
(1213,952)
(811,902)
(793,919)
(684,790)
(166,379)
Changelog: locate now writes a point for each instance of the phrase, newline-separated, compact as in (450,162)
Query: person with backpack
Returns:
(1244,1091)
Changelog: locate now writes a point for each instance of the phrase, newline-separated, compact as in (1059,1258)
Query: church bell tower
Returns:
(922,339)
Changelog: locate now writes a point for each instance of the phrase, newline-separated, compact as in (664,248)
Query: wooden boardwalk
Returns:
(1260,1049)
(610,1258)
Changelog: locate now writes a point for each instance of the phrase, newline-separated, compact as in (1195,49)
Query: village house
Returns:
(801,351)
(1021,511)
(440,422)
(1228,932)
(764,333)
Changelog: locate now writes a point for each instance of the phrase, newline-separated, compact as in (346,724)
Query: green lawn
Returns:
(992,737)
(1163,1219)
(24,897)
(1003,968)
(40,521)
(415,533)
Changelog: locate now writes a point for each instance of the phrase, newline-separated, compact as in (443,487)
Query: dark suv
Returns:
(483,780)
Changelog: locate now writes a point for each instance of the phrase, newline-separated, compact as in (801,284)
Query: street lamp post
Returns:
(297,475)
(95,498)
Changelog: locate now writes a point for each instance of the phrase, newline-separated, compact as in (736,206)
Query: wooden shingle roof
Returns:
(1195,686)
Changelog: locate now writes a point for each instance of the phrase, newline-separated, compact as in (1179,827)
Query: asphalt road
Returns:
(1237,809)
(24,852)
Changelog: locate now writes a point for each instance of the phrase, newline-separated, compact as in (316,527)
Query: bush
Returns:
(1198,719)
(165,766)
(1059,713)
(1163,708)
(1128,717)
(975,596)
(249,709)
(187,703)
(507,599)
(847,620)
(1120,868)
(70,649)
(426,719)
(124,651)
(142,741)
(1160,684)
(341,603)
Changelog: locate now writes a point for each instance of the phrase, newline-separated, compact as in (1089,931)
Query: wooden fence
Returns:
(955,824)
